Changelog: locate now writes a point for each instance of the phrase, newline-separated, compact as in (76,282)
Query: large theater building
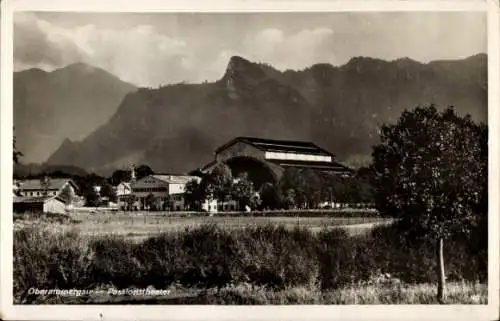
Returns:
(265,160)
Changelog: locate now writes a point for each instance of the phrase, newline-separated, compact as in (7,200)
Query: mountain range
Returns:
(70,102)
(176,128)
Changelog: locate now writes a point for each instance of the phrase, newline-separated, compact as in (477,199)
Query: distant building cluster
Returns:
(263,160)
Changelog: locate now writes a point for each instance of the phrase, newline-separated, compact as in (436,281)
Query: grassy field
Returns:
(239,260)
(140,225)
(458,293)
(248,294)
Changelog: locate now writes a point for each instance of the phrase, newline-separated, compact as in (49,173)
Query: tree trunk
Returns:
(440,272)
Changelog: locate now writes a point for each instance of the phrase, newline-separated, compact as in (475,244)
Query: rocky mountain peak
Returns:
(238,67)
(241,74)
(339,108)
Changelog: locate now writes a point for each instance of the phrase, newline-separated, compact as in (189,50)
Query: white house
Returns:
(52,187)
(162,188)
(123,189)
(37,204)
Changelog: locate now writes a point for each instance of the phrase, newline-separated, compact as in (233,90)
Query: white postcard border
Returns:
(171,312)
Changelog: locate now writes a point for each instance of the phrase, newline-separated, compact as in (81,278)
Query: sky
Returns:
(153,49)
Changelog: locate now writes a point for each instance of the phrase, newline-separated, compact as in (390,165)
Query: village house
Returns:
(162,189)
(51,187)
(123,189)
(38,204)
(123,193)
(44,195)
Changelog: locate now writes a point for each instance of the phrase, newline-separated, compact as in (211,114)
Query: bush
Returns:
(414,261)
(210,256)
(47,260)
(163,260)
(277,257)
(336,259)
(116,263)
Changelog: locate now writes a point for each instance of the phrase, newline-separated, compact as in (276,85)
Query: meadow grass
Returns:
(457,293)
(276,262)
(141,225)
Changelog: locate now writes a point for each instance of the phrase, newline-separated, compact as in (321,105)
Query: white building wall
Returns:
(54,206)
(176,188)
(296,156)
(123,189)
(149,185)
(209,206)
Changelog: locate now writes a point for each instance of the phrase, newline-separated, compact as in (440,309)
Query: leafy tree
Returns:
(87,186)
(90,179)
(108,191)
(327,192)
(168,205)
(150,201)
(130,201)
(194,195)
(90,195)
(351,190)
(220,183)
(363,177)
(289,197)
(17,154)
(312,188)
(270,196)
(119,176)
(143,171)
(345,189)
(158,204)
(306,185)
(207,188)
(243,192)
(293,183)
(67,194)
(430,170)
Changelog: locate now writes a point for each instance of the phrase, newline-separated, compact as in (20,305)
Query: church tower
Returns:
(132,174)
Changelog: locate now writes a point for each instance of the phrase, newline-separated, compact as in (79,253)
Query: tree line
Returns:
(297,189)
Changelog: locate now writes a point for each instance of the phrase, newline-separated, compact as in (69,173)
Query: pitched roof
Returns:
(207,166)
(324,166)
(35,199)
(125,184)
(272,145)
(35,184)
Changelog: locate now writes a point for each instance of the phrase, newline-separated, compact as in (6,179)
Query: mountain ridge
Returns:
(69,102)
(177,127)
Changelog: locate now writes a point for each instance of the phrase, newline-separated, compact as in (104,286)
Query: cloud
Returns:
(137,54)
(146,56)
(294,51)
(151,50)
(38,44)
